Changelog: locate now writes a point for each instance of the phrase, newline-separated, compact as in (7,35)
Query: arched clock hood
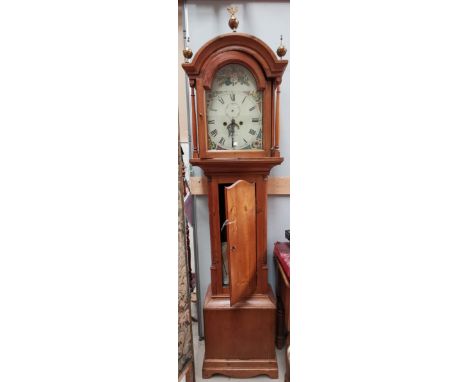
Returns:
(267,69)
(242,42)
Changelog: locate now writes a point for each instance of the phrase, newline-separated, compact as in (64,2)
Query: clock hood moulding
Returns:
(218,166)
(249,44)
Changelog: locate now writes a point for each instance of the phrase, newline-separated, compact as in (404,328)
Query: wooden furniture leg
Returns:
(280,332)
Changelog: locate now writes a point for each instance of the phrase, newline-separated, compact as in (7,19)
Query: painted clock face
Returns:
(234,110)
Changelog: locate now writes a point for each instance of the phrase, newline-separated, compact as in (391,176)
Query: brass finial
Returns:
(187,52)
(233,21)
(281,51)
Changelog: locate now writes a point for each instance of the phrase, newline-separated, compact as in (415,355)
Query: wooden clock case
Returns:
(239,318)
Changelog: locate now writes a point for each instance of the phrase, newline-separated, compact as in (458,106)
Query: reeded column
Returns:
(276,152)
(194,121)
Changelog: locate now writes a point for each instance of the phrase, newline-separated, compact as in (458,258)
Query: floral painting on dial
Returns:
(233,75)
(234,109)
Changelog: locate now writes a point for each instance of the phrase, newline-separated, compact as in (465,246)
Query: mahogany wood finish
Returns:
(280,332)
(282,294)
(282,313)
(240,317)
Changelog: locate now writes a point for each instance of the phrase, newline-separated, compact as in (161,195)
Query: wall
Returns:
(266,20)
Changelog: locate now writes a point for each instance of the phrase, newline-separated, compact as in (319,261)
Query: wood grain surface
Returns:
(241,231)
(276,185)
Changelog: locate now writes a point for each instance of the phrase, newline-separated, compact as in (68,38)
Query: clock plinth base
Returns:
(240,339)
(238,368)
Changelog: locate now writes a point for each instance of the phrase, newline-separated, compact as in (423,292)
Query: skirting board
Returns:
(276,185)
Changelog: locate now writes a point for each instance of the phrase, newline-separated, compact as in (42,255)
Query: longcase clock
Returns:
(235,88)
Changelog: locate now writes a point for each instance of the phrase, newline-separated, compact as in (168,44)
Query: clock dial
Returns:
(234,110)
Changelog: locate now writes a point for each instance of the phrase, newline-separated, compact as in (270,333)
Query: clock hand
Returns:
(231,130)
(231,127)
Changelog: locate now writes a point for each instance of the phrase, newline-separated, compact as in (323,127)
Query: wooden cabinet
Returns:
(234,80)
(239,317)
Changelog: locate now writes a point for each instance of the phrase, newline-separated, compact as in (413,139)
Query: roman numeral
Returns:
(220,100)
(233,97)
(211,121)
(255,119)
(245,140)
(253,107)
(244,99)
(252,131)
(214,133)
(213,109)
(222,141)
